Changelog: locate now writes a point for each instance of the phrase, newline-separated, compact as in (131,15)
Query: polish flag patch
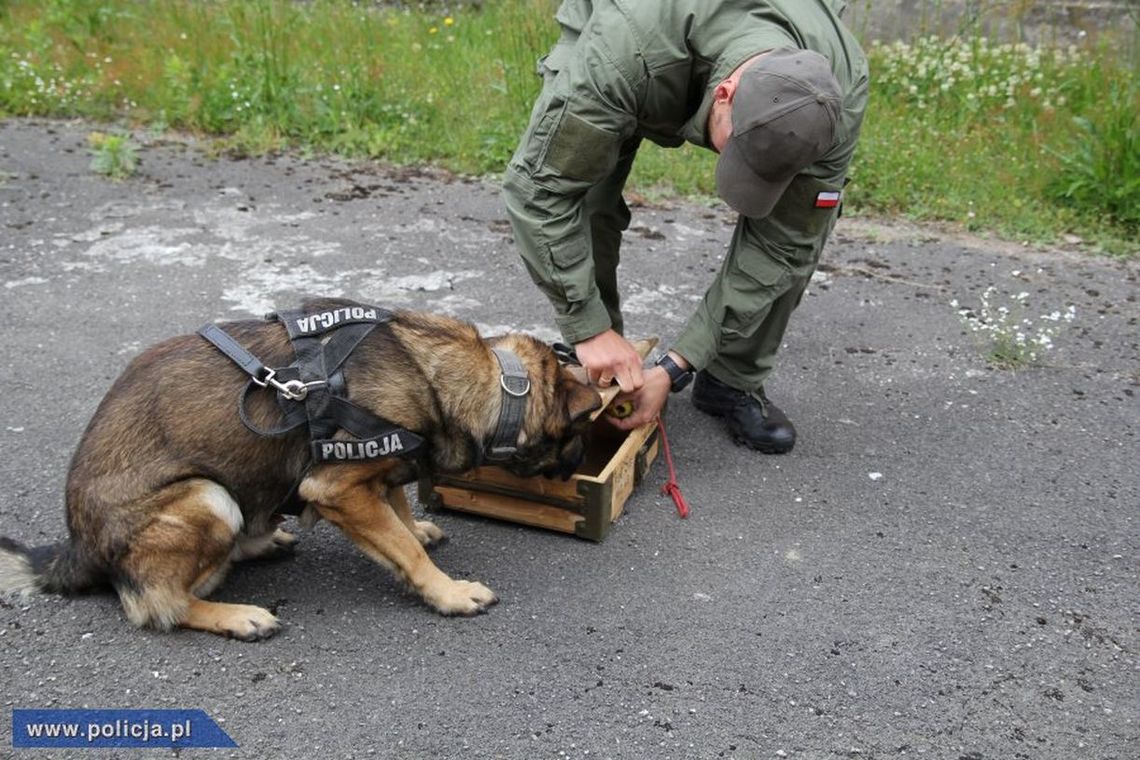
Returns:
(827,199)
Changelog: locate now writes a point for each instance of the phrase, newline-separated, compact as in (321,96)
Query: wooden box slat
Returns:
(507,508)
(585,505)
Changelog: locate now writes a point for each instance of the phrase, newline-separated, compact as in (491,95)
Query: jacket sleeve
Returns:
(587,109)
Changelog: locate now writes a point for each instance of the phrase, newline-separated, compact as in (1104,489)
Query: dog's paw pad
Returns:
(466,598)
(252,624)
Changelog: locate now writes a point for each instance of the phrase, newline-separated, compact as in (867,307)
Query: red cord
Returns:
(671,486)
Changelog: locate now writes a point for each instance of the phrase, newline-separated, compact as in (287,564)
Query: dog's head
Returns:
(553,439)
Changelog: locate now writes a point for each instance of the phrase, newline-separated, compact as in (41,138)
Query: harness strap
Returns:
(237,352)
(324,414)
(322,343)
(260,377)
(304,324)
(342,343)
(292,415)
(373,437)
(516,386)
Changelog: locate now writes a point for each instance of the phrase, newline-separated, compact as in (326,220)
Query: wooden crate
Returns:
(586,505)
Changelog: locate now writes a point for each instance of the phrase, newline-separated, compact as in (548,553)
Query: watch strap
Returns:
(678,378)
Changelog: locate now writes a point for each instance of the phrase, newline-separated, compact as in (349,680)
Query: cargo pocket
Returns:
(804,214)
(754,279)
(764,270)
(569,268)
(796,230)
(580,151)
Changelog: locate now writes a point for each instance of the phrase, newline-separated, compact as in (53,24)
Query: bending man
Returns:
(778,89)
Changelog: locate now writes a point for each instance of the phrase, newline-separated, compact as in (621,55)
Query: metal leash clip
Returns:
(294,390)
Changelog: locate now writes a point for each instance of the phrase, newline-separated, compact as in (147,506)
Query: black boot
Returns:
(753,422)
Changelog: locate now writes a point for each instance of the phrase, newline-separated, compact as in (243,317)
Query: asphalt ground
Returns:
(946,566)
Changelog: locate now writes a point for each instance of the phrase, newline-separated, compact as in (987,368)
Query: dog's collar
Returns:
(515,384)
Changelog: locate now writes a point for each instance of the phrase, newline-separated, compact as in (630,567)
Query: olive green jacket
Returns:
(625,69)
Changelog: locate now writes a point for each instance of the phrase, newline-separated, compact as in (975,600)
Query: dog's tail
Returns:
(56,569)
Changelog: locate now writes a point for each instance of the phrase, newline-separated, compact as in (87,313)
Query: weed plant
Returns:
(1034,143)
(112,155)
(1008,336)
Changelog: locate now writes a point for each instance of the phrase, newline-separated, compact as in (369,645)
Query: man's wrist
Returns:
(679,360)
(677,369)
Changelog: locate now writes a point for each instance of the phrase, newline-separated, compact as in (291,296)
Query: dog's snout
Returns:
(570,458)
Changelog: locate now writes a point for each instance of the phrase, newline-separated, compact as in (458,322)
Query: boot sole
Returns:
(741,440)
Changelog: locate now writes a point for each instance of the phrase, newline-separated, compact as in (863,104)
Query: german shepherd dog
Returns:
(168,487)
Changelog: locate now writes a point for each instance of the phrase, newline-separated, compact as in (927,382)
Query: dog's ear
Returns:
(581,399)
(578,372)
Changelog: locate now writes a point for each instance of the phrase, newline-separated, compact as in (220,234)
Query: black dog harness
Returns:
(312,390)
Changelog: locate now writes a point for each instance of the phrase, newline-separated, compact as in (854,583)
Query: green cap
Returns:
(784,117)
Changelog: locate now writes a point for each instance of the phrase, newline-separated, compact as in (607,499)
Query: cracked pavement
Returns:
(946,566)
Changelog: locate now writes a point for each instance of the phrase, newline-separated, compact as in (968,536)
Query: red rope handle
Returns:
(671,487)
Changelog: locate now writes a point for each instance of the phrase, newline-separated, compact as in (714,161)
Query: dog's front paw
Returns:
(428,533)
(247,622)
(251,623)
(463,598)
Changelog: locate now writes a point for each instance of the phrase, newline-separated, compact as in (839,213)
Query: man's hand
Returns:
(609,358)
(647,402)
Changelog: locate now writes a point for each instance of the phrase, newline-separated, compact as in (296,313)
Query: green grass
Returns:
(1031,144)
(1004,137)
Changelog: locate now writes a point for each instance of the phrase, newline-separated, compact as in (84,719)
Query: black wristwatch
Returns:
(678,378)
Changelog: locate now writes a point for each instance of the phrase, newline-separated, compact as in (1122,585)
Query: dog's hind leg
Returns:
(182,554)
(426,532)
(352,501)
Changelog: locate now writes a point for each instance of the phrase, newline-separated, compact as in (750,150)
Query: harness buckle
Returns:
(265,379)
